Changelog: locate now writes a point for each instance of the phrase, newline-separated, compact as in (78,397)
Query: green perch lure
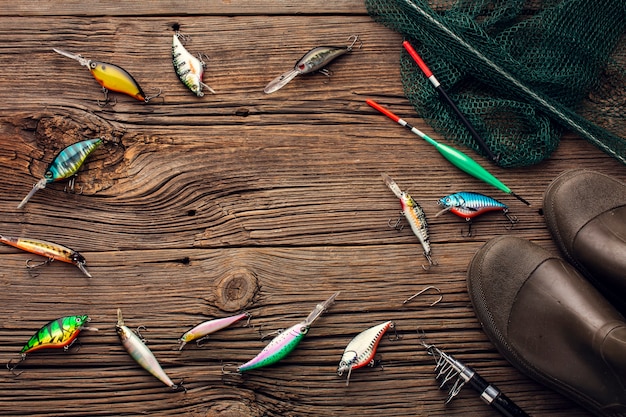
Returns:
(65,165)
(59,333)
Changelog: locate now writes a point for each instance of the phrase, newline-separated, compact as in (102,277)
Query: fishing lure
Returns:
(203,329)
(283,344)
(468,205)
(316,59)
(361,350)
(111,77)
(50,250)
(64,165)
(59,333)
(190,70)
(138,350)
(415,216)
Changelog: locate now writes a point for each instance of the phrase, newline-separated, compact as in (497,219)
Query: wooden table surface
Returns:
(199,208)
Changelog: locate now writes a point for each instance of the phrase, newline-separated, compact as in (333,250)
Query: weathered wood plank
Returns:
(183,7)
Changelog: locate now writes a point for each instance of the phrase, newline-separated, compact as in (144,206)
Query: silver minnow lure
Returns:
(314,60)
(415,216)
(361,350)
(138,350)
(190,70)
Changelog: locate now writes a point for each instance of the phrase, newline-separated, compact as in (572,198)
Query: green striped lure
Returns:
(138,350)
(190,70)
(59,333)
(64,165)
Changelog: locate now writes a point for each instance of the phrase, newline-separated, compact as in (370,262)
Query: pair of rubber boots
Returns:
(562,323)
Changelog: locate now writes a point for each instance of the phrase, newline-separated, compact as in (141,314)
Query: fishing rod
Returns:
(456,157)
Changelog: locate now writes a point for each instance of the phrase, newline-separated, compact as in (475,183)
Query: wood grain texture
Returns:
(197,208)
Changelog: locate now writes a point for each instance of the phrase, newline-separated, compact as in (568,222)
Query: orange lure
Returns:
(50,250)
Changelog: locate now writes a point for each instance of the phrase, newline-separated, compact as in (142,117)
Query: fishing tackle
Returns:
(65,165)
(203,329)
(362,348)
(415,216)
(50,250)
(454,156)
(448,368)
(286,341)
(59,333)
(190,70)
(138,350)
(422,291)
(111,78)
(316,59)
(468,205)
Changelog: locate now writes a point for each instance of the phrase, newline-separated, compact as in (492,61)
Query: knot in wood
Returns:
(236,290)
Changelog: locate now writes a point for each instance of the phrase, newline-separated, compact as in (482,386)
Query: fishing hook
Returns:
(512,219)
(107,101)
(422,291)
(469,229)
(12,368)
(29,264)
(356,39)
(148,98)
(431,262)
(395,336)
(179,387)
(397,225)
(199,341)
(138,332)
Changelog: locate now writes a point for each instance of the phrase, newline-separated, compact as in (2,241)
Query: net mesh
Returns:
(521,71)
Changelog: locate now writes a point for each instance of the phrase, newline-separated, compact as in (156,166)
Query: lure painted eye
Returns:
(79,320)
(303,330)
(93,65)
(49,175)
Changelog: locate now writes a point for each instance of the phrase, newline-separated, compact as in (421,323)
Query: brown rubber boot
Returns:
(551,323)
(585,212)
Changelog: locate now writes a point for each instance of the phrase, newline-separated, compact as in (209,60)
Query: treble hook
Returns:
(29,264)
(397,225)
(469,228)
(431,262)
(512,219)
(395,336)
(422,291)
(12,368)
(356,39)
(138,332)
(107,101)
(179,387)
(147,99)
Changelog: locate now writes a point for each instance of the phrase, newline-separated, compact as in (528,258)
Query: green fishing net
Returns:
(522,71)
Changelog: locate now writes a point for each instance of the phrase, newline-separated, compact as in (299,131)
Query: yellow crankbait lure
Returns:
(111,77)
